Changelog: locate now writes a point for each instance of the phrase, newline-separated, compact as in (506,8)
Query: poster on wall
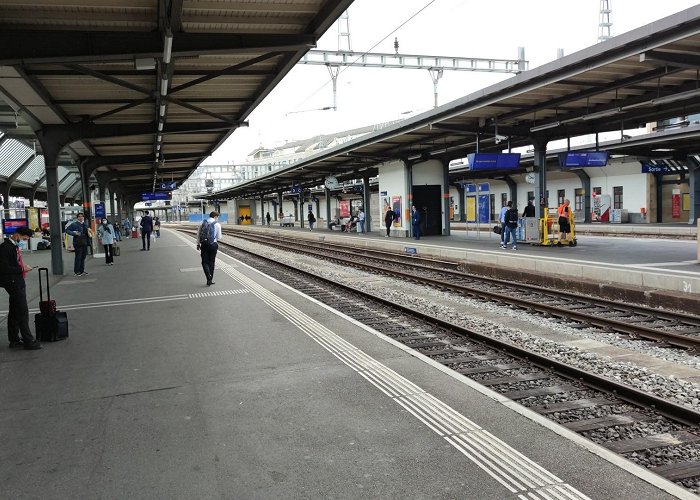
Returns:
(344,208)
(676,203)
(484,208)
(385,205)
(471,208)
(34,218)
(396,205)
(600,208)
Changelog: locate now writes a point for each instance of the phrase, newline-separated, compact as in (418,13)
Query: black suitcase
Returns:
(50,325)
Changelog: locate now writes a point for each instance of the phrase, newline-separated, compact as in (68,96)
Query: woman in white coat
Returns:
(105,235)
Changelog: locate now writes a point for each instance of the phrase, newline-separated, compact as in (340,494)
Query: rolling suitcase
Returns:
(50,324)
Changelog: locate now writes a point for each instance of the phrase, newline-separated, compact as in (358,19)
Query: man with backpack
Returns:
(511,224)
(207,237)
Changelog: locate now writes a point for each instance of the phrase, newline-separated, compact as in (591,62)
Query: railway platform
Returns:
(168,388)
(630,266)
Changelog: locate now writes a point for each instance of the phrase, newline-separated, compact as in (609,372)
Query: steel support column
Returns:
(513,188)
(366,203)
(446,198)
(540,159)
(327,193)
(586,186)
(694,190)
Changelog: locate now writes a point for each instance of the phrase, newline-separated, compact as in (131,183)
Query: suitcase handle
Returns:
(48,292)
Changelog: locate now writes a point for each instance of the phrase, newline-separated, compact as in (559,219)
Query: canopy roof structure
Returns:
(649,74)
(134,91)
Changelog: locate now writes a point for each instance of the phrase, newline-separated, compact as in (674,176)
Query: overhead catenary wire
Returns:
(367,52)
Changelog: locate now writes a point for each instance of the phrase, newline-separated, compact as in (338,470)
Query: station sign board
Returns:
(99,210)
(650,168)
(578,159)
(169,186)
(493,161)
(154,196)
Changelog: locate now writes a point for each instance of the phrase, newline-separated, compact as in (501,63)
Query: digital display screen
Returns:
(493,161)
(580,159)
(9,226)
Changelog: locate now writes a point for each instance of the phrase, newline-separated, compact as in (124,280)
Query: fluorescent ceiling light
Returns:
(164,87)
(168,48)
(160,126)
(162,110)
(601,114)
(143,64)
(545,126)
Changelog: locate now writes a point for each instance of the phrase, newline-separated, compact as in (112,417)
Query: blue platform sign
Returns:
(295,189)
(470,188)
(649,168)
(154,196)
(484,208)
(578,159)
(493,161)
(99,210)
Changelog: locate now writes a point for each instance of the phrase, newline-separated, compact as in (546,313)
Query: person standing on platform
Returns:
(146,224)
(502,220)
(81,241)
(388,220)
(267,218)
(361,221)
(312,220)
(511,226)
(156,226)
(105,234)
(415,222)
(127,228)
(209,231)
(564,213)
(529,209)
(12,273)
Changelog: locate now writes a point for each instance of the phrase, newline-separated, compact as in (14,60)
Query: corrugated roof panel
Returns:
(13,154)
(34,171)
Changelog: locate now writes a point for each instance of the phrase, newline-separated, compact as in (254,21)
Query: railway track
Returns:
(633,321)
(626,420)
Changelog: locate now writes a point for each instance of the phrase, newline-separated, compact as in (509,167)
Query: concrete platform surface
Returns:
(167,388)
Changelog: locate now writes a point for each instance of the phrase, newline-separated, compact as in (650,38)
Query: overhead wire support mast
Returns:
(334,59)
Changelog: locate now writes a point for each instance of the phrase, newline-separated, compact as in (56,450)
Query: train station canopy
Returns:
(649,74)
(143,90)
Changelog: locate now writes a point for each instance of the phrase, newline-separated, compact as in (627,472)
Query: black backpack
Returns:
(512,217)
(207,233)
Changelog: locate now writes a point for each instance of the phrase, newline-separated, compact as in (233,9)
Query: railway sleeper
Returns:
(515,378)
(678,471)
(489,369)
(607,421)
(577,404)
(541,391)
(656,441)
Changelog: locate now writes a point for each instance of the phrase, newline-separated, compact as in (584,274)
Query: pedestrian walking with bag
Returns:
(312,220)
(106,237)
(207,243)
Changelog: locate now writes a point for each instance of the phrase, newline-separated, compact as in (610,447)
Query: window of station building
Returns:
(597,191)
(492,202)
(579,198)
(530,195)
(561,194)
(504,199)
(617,197)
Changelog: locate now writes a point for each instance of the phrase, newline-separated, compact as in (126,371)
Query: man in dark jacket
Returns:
(146,230)
(12,273)
(81,240)
(415,222)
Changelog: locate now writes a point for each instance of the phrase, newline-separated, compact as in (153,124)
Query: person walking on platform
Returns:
(564,213)
(267,218)
(127,228)
(415,222)
(207,243)
(529,209)
(81,241)
(106,236)
(388,220)
(312,220)
(511,226)
(361,221)
(12,273)
(502,220)
(146,224)
(156,226)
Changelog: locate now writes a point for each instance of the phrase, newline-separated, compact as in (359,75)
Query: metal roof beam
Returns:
(18,47)
(685,60)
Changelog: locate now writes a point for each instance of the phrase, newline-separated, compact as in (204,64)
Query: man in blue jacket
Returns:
(415,222)
(146,230)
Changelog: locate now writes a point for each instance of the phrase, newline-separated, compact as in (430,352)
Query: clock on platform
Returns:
(530,178)
(331,182)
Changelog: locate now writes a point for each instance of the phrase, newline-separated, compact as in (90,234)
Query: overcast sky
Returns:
(462,28)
